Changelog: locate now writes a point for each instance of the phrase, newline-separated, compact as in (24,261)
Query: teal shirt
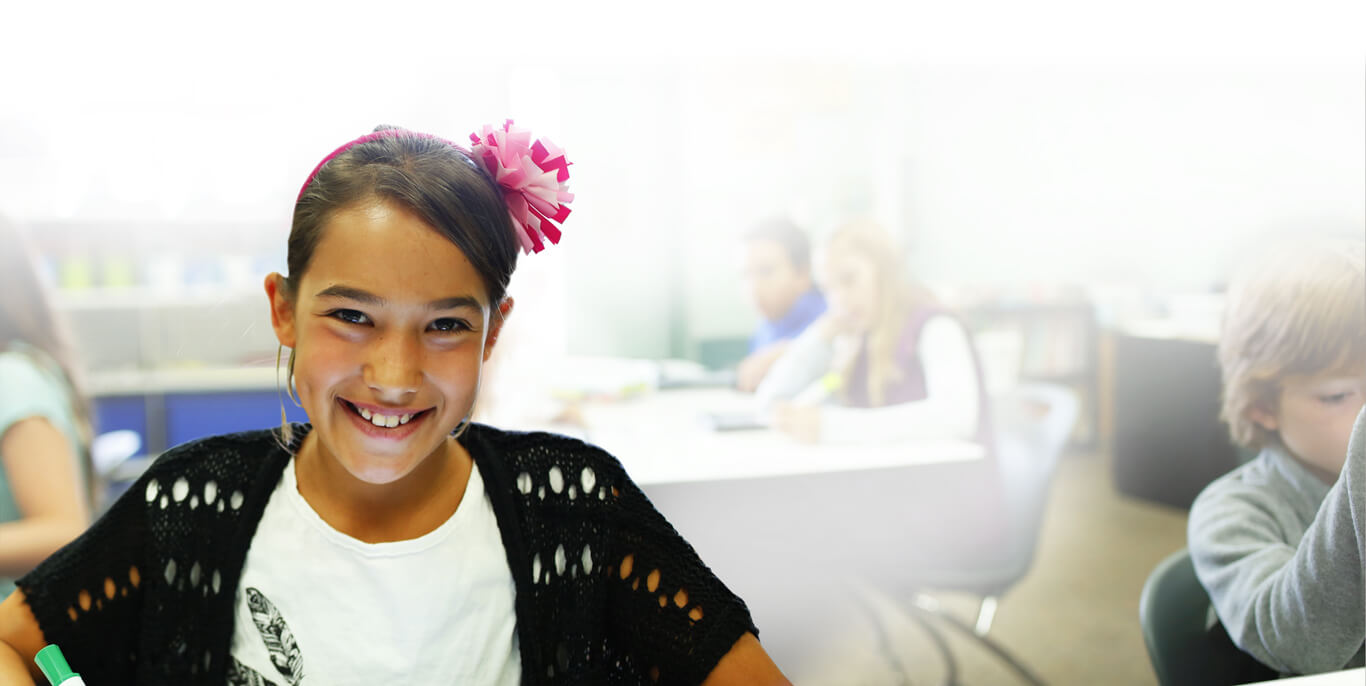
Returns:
(31,385)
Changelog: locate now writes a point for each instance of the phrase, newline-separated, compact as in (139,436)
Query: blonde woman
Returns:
(884,363)
(44,422)
(1278,543)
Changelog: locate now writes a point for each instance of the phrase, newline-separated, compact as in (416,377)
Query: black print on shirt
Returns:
(279,640)
(242,675)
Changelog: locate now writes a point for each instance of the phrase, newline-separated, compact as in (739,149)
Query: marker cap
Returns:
(53,664)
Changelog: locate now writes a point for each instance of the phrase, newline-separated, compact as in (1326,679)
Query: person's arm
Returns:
(1297,609)
(44,477)
(805,360)
(89,596)
(949,409)
(747,664)
(20,640)
(754,368)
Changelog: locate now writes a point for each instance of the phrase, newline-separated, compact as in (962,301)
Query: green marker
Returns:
(53,665)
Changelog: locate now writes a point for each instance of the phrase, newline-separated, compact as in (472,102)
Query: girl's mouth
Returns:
(390,424)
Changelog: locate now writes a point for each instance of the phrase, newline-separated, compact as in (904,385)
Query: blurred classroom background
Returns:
(1081,207)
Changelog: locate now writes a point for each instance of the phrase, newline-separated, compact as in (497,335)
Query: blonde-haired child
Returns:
(1277,543)
(884,363)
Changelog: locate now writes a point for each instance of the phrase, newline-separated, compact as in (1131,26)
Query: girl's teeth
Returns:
(383,420)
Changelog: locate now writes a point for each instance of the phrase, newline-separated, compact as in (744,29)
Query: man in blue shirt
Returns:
(778,269)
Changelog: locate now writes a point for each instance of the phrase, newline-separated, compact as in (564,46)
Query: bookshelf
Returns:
(1057,342)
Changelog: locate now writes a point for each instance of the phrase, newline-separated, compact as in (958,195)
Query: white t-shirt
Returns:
(316,606)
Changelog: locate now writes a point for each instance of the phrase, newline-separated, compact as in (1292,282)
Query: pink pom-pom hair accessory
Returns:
(532,174)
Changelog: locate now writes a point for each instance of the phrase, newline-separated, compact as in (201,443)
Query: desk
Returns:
(1346,677)
(663,438)
(786,525)
(1169,442)
(169,407)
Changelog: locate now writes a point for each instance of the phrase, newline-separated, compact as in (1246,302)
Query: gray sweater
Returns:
(1281,554)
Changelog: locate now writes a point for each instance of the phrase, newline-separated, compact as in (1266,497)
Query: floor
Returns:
(1072,620)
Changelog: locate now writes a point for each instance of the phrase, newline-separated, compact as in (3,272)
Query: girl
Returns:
(883,364)
(390,538)
(44,421)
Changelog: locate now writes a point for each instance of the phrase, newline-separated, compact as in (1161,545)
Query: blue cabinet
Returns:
(166,420)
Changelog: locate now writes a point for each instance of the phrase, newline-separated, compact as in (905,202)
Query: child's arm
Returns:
(746,665)
(805,359)
(1296,609)
(45,479)
(20,640)
(754,367)
(949,410)
(87,597)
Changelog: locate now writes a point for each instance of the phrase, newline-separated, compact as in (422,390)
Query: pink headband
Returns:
(530,173)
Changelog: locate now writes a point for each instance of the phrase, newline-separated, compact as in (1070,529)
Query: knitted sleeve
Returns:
(141,596)
(88,596)
(608,592)
(666,608)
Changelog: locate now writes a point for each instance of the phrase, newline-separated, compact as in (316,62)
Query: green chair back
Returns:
(1186,643)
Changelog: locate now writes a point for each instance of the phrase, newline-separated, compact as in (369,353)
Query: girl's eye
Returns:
(1335,398)
(449,325)
(349,316)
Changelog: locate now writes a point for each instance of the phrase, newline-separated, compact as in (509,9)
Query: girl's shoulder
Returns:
(540,462)
(23,367)
(925,313)
(32,385)
(227,460)
(929,318)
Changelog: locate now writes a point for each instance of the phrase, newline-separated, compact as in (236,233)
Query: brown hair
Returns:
(793,240)
(26,315)
(1300,310)
(427,176)
(900,296)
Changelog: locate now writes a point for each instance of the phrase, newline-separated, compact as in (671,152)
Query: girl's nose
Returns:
(394,371)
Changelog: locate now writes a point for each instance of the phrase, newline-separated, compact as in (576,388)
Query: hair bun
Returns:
(531,174)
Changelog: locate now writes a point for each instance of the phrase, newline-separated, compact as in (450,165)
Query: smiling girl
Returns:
(390,538)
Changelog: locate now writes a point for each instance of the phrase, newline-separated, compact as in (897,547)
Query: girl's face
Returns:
(390,326)
(852,291)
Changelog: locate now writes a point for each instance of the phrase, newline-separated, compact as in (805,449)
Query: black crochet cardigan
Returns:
(146,595)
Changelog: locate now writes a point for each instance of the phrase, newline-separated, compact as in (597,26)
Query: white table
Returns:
(1347,677)
(784,524)
(664,438)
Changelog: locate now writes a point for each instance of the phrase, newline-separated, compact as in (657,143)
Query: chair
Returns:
(1186,642)
(1032,425)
